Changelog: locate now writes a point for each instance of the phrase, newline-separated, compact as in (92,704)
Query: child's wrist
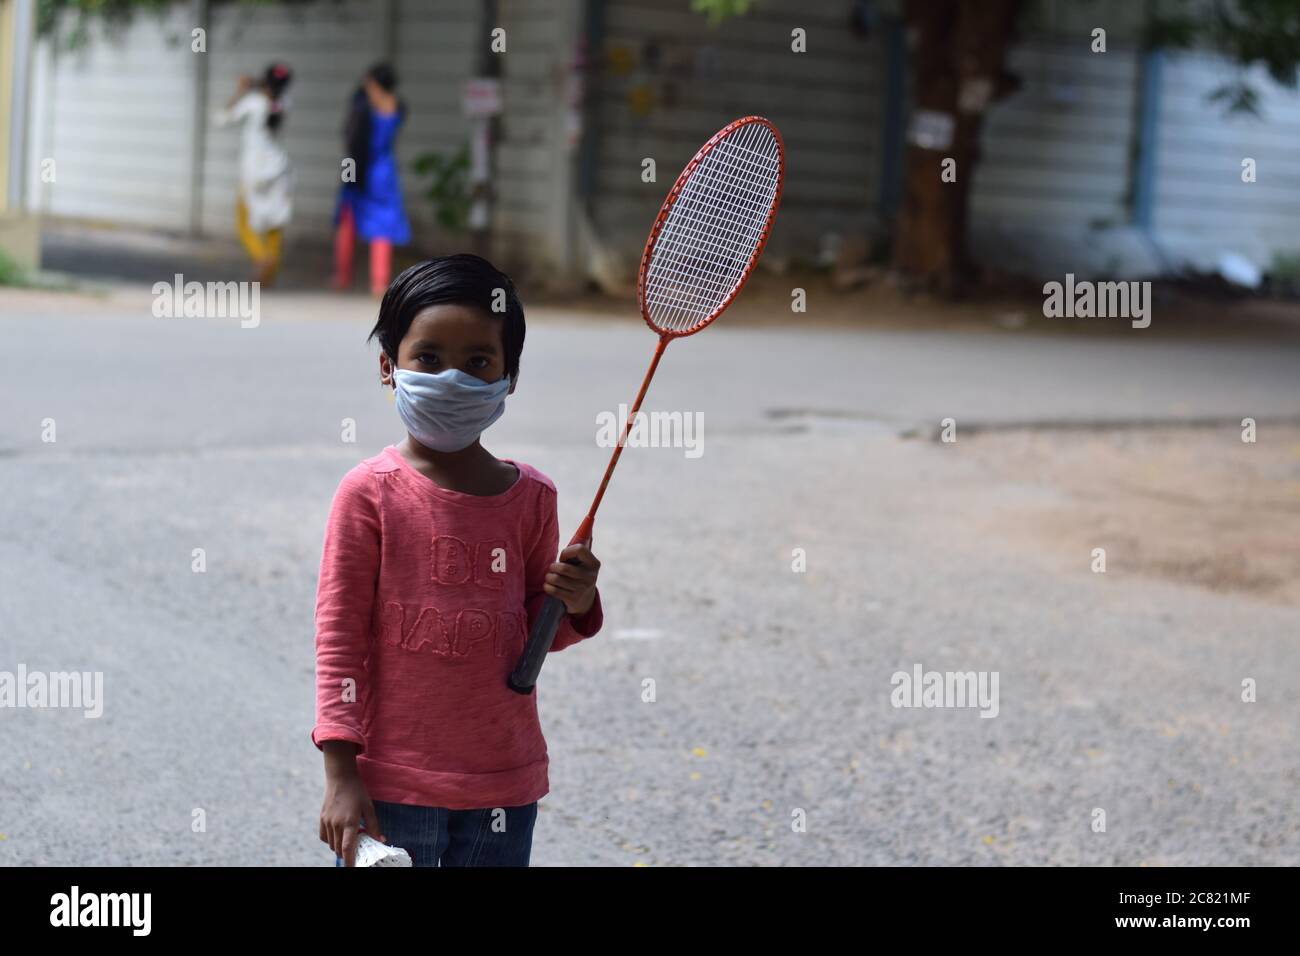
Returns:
(340,758)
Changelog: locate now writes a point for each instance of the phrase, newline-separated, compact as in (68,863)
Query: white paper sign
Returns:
(481,96)
(930,129)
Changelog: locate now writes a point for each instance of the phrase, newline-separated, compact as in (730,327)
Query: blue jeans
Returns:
(436,836)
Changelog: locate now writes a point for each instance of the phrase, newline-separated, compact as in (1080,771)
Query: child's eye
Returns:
(478,362)
(427,358)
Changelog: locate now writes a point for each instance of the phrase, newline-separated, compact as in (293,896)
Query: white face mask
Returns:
(449,410)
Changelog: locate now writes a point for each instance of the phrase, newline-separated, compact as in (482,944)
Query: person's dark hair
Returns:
(275,81)
(384,75)
(356,136)
(356,125)
(451,280)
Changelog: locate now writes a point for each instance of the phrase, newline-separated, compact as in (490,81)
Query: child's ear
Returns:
(514,379)
(385,369)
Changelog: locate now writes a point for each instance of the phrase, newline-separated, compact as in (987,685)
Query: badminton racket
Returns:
(702,248)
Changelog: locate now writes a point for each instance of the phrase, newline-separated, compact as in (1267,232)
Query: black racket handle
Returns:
(539,643)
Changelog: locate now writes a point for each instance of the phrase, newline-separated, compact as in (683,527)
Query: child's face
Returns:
(451,336)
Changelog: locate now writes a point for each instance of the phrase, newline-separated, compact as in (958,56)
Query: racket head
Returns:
(712,228)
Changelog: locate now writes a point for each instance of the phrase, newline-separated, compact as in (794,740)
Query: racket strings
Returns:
(708,240)
(721,214)
(719,225)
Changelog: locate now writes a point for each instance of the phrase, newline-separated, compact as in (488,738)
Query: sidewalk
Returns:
(123,255)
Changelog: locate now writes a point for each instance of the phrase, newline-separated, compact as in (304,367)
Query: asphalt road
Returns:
(773,687)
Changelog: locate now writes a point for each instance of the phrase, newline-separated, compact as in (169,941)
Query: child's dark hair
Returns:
(451,280)
(275,81)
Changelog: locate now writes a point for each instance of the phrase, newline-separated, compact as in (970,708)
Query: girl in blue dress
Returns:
(371,206)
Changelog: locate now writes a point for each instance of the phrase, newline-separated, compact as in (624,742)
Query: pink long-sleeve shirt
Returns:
(423,607)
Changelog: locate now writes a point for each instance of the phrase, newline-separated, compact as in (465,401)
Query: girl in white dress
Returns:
(265,201)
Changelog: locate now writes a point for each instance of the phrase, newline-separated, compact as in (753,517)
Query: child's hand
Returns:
(574,584)
(346,804)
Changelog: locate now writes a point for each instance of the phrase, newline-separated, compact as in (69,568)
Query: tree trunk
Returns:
(958,52)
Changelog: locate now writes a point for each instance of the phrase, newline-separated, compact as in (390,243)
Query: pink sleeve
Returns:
(544,553)
(345,595)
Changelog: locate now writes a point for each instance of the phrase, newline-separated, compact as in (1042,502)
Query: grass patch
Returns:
(11,273)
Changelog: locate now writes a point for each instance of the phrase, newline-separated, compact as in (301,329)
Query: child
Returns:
(264,203)
(437,556)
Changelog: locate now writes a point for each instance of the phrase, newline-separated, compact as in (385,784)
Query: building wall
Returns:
(1055,184)
(118,113)
(1203,208)
(534,230)
(1056,153)
(328,48)
(671,81)
(115,115)
(434,49)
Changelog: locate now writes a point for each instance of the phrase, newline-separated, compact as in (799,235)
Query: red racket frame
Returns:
(525,673)
(672,197)
(584,530)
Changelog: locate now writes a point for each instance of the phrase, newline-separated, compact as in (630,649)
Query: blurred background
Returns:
(909,458)
(1119,154)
